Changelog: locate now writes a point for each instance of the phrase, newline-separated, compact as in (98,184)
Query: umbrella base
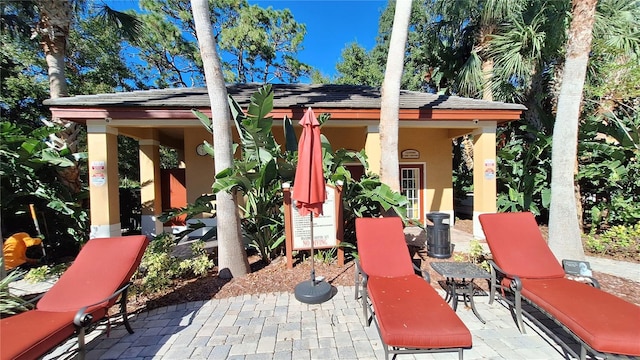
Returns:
(310,293)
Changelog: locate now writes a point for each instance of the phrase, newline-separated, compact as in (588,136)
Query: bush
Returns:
(159,267)
(44,272)
(619,241)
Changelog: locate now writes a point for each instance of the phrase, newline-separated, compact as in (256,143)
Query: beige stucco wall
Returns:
(199,172)
(434,146)
(435,149)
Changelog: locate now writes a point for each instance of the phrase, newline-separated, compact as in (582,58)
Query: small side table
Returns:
(466,272)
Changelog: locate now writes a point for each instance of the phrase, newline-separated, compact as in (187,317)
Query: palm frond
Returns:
(127,25)
(470,77)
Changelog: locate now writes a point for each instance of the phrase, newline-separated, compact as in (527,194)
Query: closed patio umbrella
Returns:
(309,193)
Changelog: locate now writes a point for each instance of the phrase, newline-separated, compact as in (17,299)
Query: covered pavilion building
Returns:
(427,125)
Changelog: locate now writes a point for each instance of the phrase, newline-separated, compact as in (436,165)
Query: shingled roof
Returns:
(285,96)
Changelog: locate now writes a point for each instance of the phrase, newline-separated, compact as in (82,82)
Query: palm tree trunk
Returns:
(487,72)
(53,28)
(564,231)
(54,50)
(390,97)
(232,259)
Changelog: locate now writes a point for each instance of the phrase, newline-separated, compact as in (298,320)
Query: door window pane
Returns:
(410,187)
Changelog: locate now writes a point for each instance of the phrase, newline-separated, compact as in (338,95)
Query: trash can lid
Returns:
(437,215)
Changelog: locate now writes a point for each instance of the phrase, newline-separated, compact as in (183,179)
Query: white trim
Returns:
(478,233)
(105,231)
(486,128)
(423,191)
(100,127)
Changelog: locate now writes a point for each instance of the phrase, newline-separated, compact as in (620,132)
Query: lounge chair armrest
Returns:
(579,270)
(594,282)
(516,284)
(361,272)
(425,273)
(586,279)
(82,319)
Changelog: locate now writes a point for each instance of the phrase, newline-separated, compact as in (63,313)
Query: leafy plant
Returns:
(42,273)
(28,175)
(524,166)
(159,267)
(621,241)
(263,166)
(259,172)
(9,303)
(609,173)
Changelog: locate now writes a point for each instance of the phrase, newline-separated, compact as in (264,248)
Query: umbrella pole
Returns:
(313,270)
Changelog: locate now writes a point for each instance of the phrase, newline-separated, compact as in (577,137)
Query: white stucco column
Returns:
(484,175)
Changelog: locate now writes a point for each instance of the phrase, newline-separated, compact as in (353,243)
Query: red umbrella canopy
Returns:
(309,186)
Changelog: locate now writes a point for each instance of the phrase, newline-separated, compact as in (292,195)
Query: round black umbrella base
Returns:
(309,293)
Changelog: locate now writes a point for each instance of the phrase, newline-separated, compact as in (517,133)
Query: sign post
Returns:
(327,228)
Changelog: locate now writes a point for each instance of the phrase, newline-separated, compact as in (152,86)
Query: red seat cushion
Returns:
(102,266)
(605,322)
(411,314)
(30,334)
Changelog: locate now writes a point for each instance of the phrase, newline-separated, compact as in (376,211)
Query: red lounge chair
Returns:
(602,323)
(410,315)
(81,297)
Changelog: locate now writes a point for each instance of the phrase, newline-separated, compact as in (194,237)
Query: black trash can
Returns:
(438,236)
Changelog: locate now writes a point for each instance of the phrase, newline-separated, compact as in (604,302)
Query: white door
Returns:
(411,180)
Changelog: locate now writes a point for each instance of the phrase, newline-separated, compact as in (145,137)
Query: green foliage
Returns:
(263,167)
(255,44)
(23,87)
(259,173)
(10,304)
(609,148)
(94,61)
(159,267)
(44,272)
(476,255)
(524,170)
(358,68)
(619,241)
(609,173)
(326,256)
(28,174)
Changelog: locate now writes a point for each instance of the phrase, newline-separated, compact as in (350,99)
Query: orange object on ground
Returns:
(15,249)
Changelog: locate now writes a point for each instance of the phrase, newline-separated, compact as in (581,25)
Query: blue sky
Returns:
(331,26)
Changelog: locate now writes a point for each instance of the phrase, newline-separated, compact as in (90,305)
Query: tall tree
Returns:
(358,68)
(564,229)
(255,44)
(51,26)
(232,259)
(390,97)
